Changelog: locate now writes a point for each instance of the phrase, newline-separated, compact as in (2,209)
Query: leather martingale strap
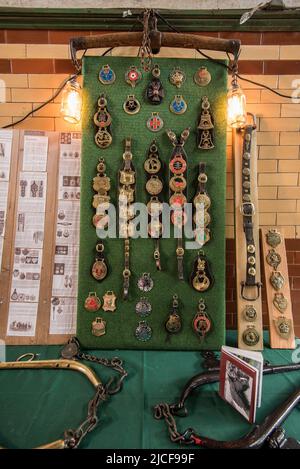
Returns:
(178,151)
(129,168)
(248,212)
(152,167)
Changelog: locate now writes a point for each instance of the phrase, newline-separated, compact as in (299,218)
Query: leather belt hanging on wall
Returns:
(248,212)
(248,285)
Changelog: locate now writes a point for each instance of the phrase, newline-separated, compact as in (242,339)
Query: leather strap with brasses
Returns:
(178,190)
(127,182)
(248,212)
(154,188)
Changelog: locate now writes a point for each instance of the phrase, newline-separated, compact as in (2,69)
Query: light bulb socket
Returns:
(71,102)
(236,111)
(74,83)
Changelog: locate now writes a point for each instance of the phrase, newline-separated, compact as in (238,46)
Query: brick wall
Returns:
(34,63)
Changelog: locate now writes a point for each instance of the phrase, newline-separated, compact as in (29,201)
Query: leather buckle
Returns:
(247,209)
(244,285)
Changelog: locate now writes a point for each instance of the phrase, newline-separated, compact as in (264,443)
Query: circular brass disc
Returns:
(154,186)
(199,238)
(178,199)
(197,218)
(177,183)
(99,270)
(154,207)
(103,139)
(178,218)
(202,199)
(101,184)
(100,220)
(201,283)
(152,165)
(155,230)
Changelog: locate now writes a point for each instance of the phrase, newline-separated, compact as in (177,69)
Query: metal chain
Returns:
(162,410)
(73,438)
(114,363)
(145,51)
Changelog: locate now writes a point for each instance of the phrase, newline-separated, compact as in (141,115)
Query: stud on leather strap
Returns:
(156,255)
(180,254)
(248,211)
(126,271)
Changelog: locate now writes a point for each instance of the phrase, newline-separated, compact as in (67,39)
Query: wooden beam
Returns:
(186,41)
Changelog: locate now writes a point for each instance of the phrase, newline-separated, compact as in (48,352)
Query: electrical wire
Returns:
(228,67)
(170,26)
(60,88)
(58,91)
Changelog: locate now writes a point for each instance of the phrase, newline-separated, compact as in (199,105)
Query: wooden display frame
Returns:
(275,340)
(240,244)
(42,335)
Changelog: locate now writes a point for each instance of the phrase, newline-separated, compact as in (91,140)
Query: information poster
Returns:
(29,237)
(65,277)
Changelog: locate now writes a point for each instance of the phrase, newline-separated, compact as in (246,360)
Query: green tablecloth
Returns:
(36,406)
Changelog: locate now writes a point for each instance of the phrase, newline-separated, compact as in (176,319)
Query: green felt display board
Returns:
(121,324)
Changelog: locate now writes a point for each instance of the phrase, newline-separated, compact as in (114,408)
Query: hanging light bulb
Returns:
(236,105)
(71,102)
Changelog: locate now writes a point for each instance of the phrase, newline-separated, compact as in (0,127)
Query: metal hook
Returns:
(253,119)
(118,384)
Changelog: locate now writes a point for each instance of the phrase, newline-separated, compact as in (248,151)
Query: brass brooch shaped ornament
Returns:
(109,301)
(283,327)
(250,336)
(102,119)
(277,280)
(273,258)
(155,92)
(250,313)
(280,302)
(92,302)
(173,323)
(133,76)
(99,269)
(205,136)
(177,77)
(131,105)
(202,77)
(107,75)
(201,322)
(99,327)
(273,238)
(202,278)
